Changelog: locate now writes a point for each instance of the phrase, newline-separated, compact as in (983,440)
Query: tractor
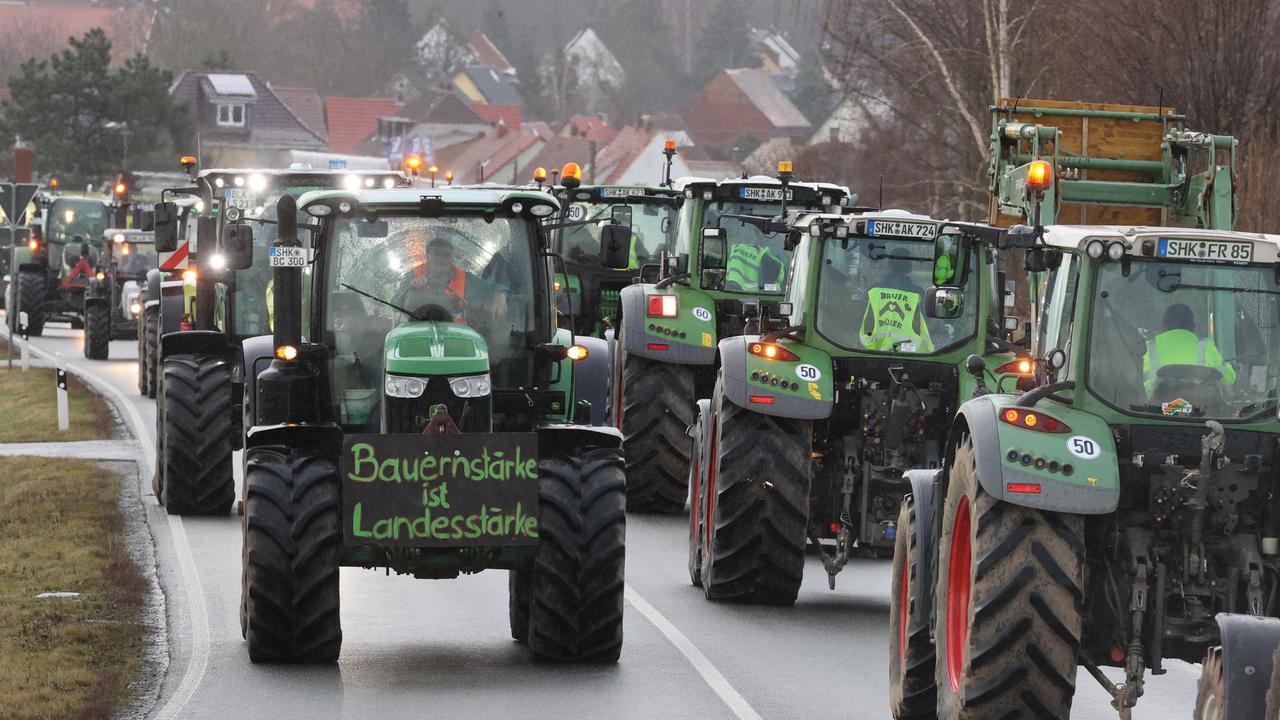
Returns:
(112,302)
(171,285)
(204,371)
(1123,510)
(665,347)
(416,416)
(828,397)
(50,274)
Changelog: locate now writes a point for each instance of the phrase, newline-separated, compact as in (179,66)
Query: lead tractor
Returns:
(827,398)
(416,417)
(1122,512)
(665,350)
(51,273)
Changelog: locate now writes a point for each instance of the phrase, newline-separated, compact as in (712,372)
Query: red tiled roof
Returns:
(307,106)
(487,53)
(441,107)
(510,114)
(354,119)
(617,156)
(499,148)
(589,127)
(128,29)
(560,150)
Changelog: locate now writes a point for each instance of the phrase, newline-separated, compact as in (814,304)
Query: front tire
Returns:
(912,692)
(196,477)
(757,508)
(151,352)
(292,535)
(1008,604)
(97,331)
(32,289)
(1273,691)
(656,404)
(577,581)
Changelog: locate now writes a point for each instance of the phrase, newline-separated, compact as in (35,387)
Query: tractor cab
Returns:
(113,300)
(589,293)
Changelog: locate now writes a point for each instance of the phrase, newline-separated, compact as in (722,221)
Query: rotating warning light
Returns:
(669,145)
(571,175)
(121,188)
(540,175)
(784,166)
(1039,175)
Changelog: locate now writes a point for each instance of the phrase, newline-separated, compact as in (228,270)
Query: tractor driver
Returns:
(1180,345)
(439,282)
(894,320)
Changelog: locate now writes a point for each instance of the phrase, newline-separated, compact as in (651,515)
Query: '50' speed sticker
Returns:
(1083,447)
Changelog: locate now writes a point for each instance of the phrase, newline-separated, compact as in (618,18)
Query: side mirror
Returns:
(165,225)
(714,242)
(146,220)
(951,259)
(237,246)
(1011,323)
(944,303)
(615,246)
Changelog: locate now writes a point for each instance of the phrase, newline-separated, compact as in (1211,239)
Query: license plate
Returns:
(900,228)
(620,192)
(238,198)
(288,257)
(1223,251)
(765,194)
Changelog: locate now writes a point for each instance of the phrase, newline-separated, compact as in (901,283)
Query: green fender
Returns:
(689,338)
(799,389)
(1074,471)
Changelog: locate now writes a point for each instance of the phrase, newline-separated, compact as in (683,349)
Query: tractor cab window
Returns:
(254,285)
(1059,293)
(135,258)
(871,298)
(652,231)
(754,261)
(1186,340)
(411,269)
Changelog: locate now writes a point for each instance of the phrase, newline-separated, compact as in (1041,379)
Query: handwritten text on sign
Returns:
(447,490)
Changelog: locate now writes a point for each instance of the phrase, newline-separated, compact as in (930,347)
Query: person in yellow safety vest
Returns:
(753,267)
(894,320)
(943,273)
(1179,345)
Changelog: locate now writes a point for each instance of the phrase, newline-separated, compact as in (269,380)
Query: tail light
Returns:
(662,305)
(772,351)
(1032,420)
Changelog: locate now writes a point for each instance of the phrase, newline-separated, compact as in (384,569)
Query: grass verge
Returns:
(64,531)
(29,408)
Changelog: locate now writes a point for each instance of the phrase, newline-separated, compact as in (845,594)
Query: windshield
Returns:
(460,269)
(1186,340)
(755,261)
(253,285)
(871,297)
(652,231)
(135,258)
(69,218)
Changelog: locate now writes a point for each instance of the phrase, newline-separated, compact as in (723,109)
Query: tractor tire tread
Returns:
(196,450)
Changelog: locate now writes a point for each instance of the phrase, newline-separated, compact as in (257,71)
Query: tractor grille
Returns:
(411,415)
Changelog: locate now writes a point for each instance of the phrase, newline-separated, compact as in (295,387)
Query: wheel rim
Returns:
(902,613)
(958,588)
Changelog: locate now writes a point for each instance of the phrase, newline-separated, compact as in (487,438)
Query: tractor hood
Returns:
(436,348)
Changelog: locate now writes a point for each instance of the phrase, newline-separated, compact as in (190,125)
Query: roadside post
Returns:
(64,411)
(26,343)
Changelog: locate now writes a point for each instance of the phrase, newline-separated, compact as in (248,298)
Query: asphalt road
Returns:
(427,649)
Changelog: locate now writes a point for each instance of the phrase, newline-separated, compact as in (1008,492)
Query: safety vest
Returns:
(633,262)
(942,271)
(893,317)
(1182,347)
(744,267)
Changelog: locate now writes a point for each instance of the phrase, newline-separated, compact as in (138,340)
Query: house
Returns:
(589,127)
(597,74)
(240,121)
(635,157)
(556,152)
(845,124)
(777,56)
(504,156)
(442,51)
(491,95)
(742,102)
(486,53)
(307,105)
(353,120)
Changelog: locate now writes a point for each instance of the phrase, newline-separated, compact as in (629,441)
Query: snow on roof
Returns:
(593,61)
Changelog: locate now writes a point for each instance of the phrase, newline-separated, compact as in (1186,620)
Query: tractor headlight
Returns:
(470,386)
(405,387)
(135,307)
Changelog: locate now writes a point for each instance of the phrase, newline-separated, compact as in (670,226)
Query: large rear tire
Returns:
(577,581)
(656,404)
(292,535)
(518,604)
(1210,696)
(196,477)
(1273,690)
(32,288)
(913,694)
(97,331)
(1008,604)
(757,509)
(151,352)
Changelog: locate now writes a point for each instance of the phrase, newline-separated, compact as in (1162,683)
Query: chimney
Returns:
(23,159)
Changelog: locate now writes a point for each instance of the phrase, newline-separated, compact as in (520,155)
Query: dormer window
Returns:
(231,115)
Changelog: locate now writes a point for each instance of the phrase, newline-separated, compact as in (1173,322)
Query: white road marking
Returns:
(714,679)
(198,661)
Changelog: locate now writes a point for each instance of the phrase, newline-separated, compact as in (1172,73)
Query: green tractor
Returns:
(665,349)
(166,294)
(111,302)
(213,328)
(50,274)
(415,417)
(827,398)
(1124,510)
